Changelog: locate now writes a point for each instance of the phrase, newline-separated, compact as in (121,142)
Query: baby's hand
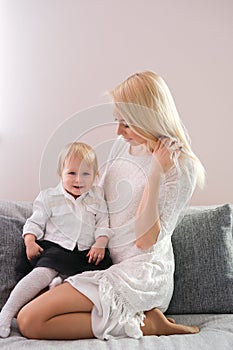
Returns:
(96,254)
(33,250)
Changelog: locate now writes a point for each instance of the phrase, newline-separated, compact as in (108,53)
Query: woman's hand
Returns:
(148,223)
(164,152)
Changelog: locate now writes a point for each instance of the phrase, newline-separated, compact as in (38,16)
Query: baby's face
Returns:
(77,177)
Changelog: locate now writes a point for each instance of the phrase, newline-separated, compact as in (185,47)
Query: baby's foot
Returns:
(55,282)
(4,331)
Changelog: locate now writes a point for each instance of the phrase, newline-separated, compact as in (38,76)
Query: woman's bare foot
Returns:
(157,324)
(171,320)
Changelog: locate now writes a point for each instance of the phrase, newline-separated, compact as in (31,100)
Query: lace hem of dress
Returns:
(119,311)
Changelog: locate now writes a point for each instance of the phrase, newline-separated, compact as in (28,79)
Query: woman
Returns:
(149,179)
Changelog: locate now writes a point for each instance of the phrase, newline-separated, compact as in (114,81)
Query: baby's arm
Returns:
(32,248)
(102,231)
(35,226)
(97,251)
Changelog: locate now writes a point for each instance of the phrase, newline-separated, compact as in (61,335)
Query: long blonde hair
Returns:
(146,104)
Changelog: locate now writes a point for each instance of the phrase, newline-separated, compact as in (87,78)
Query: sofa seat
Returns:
(203,282)
(216,334)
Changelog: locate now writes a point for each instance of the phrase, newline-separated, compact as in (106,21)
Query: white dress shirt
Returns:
(59,218)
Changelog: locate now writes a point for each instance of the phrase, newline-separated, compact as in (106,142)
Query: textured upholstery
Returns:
(203,249)
(200,231)
(10,249)
(12,218)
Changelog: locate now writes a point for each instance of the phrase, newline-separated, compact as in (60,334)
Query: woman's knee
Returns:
(28,324)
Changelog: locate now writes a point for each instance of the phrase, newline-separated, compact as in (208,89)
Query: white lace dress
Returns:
(139,280)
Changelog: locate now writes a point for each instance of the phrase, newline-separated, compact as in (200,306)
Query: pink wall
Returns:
(59,57)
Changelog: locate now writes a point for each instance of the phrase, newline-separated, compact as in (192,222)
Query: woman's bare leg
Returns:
(157,324)
(61,313)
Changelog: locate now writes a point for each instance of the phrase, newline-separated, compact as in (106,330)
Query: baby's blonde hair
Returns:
(80,150)
(145,102)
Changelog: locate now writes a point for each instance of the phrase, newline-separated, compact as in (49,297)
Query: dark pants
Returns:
(64,261)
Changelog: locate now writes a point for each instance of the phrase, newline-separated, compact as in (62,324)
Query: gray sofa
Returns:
(203,293)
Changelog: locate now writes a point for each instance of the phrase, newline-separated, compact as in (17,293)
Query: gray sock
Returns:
(24,291)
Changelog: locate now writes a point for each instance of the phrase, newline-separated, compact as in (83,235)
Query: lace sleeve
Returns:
(177,187)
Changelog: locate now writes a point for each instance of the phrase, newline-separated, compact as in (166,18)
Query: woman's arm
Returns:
(147,222)
(147,217)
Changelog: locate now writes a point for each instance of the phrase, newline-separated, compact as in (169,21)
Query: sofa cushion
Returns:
(203,250)
(10,249)
(12,218)
(16,209)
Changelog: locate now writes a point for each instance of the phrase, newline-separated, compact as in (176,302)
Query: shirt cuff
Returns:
(101,231)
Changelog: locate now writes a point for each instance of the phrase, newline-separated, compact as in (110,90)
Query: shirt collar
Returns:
(61,189)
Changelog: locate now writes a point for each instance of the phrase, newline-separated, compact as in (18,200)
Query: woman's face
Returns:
(124,130)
